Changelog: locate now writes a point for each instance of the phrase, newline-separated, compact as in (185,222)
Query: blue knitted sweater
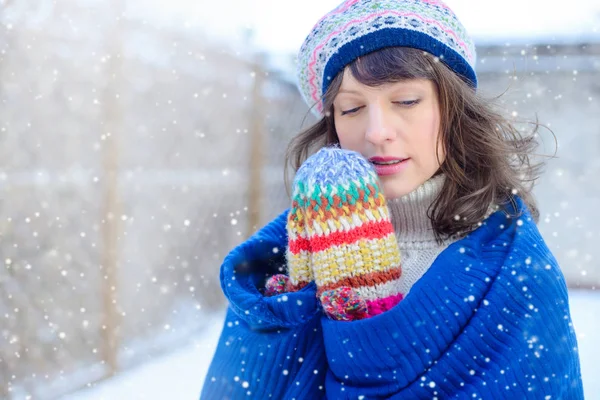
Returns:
(489,320)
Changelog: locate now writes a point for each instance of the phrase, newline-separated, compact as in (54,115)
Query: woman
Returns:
(410,265)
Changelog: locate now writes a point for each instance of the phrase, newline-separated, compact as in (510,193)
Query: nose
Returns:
(379,125)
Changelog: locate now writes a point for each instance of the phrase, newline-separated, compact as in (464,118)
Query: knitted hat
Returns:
(358,27)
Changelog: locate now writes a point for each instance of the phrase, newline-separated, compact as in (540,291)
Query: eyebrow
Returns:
(404,86)
(348,91)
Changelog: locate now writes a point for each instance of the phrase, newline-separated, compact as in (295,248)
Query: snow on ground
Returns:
(585,312)
(180,375)
(174,376)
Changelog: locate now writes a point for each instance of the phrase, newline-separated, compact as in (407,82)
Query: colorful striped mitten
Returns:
(340,232)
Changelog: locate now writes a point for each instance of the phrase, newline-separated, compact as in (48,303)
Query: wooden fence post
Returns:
(113,119)
(257,143)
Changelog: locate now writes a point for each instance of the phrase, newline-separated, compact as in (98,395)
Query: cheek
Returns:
(441,150)
(348,137)
(438,143)
(430,143)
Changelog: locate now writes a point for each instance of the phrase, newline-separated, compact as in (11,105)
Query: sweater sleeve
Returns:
(270,347)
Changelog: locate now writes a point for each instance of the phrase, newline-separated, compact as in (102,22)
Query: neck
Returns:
(412,226)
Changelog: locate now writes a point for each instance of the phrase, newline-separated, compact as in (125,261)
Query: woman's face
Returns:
(395,126)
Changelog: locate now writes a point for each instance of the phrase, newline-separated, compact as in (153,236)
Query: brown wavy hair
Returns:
(488,161)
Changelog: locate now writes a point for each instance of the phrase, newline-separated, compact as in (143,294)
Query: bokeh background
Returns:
(140,140)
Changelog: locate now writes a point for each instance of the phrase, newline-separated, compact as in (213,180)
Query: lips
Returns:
(388,165)
(385,160)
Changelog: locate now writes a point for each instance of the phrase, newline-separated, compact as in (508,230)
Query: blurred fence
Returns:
(127,173)
(559,83)
(133,158)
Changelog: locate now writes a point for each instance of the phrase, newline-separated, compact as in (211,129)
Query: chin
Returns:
(394,190)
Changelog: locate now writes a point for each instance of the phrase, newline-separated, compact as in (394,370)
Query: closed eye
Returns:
(351,111)
(407,103)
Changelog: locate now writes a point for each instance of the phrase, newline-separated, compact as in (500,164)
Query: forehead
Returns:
(352,85)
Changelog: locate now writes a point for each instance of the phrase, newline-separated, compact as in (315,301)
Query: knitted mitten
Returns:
(349,241)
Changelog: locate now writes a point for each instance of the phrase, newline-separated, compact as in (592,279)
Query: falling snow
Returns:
(176,132)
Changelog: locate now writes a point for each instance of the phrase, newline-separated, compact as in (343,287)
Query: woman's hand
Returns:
(340,233)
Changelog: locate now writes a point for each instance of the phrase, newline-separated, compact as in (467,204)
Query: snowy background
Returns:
(133,137)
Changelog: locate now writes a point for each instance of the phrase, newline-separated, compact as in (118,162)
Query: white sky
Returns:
(281,25)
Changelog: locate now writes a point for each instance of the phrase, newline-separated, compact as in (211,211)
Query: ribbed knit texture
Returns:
(488,320)
(414,231)
(358,27)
